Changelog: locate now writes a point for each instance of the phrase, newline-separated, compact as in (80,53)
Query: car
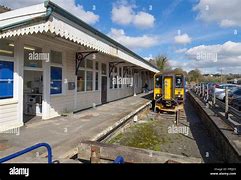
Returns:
(235,94)
(221,87)
(221,94)
(236,103)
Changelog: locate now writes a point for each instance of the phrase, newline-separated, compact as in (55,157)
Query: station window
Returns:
(97,65)
(81,80)
(103,69)
(6,79)
(89,80)
(89,64)
(82,63)
(56,57)
(32,56)
(56,80)
(85,76)
(6,48)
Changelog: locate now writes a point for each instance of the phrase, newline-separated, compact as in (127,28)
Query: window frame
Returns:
(13,79)
(15,68)
(2,57)
(31,67)
(85,69)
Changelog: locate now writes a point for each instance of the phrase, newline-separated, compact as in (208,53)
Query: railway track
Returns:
(172,116)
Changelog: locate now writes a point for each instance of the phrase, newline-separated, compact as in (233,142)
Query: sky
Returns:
(204,34)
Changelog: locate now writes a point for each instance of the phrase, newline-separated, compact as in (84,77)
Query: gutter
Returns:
(44,17)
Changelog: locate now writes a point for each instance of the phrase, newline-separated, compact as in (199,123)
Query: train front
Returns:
(169,92)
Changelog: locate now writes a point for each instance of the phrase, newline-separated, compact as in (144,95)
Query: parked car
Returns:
(221,94)
(221,87)
(236,103)
(235,94)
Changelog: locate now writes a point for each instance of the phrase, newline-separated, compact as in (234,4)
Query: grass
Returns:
(145,135)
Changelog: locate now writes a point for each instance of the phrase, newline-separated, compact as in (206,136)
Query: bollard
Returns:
(226,103)
(177,116)
(95,154)
(214,98)
(207,98)
(203,90)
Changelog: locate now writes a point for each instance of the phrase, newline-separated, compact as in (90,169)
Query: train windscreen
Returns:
(179,81)
(158,83)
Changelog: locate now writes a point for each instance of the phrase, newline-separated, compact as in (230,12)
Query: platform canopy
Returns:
(48,18)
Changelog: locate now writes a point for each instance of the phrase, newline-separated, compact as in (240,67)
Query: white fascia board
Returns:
(21,14)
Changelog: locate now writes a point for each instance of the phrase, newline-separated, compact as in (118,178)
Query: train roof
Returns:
(170,72)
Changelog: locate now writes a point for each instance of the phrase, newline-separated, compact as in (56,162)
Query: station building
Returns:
(52,63)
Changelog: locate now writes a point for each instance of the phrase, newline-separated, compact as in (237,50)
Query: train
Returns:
(169,91)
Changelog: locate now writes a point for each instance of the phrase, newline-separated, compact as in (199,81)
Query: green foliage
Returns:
(161,62)
(195,76)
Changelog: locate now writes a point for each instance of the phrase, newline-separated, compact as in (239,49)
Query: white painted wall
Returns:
(11,110)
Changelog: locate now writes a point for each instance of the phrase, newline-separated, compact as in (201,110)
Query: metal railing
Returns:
(227,109)
(24,151)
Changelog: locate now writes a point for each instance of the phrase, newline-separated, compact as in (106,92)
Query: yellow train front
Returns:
(169,91)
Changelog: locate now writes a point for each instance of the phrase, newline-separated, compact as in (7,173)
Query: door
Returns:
(168,88)
(103,89)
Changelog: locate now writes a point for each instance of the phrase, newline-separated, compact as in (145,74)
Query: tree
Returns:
(161,62)
(180,70)
(195,76)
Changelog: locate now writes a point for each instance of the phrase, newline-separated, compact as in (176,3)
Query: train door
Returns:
(168,88)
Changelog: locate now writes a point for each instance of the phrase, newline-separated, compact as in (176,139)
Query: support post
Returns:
(177,116)
(207,98)
(214,98)
(95,154)
(226,103)
(203,91)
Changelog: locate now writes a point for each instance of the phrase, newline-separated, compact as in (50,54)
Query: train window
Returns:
(158,81)
(179,82)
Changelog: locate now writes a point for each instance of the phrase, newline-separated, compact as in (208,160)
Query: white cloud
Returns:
(227,13)
(124,14)
(143,19)
(133,42)
(182,39)
(69,5)
(181,50)
(228,55)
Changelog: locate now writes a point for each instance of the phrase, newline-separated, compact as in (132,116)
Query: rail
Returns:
(24,151)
